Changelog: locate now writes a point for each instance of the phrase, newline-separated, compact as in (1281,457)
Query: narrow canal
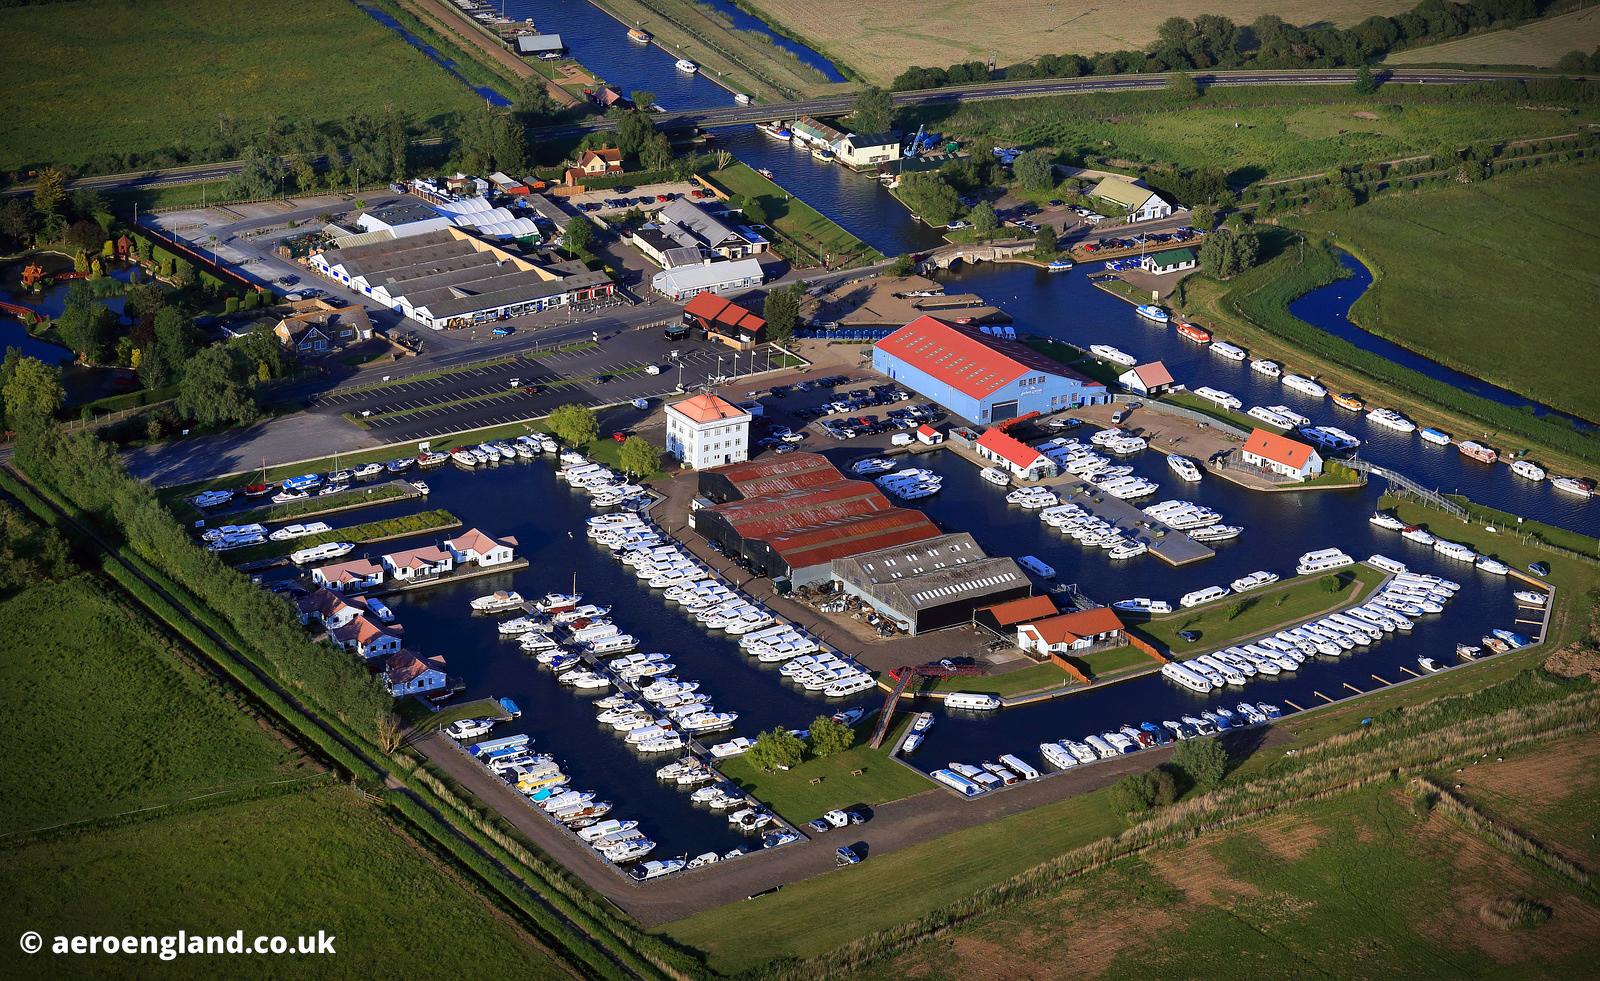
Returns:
(1068,307)
(433,54)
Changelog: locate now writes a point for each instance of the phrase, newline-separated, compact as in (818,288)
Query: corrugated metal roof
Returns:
(968,360)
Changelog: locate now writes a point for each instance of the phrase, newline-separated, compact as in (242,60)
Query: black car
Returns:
(601,379)
(1189,635)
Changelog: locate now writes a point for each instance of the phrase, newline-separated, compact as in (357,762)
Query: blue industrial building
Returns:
(981,378)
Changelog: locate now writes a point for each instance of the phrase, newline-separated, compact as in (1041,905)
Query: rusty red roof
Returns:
(759,517)
(815,544)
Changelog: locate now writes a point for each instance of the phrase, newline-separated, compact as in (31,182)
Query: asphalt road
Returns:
(740,115)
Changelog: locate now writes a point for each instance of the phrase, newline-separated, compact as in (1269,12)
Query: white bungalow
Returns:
(366,639)
(474,546)
(418,564)
(327,608)
(409,673)
(349,577)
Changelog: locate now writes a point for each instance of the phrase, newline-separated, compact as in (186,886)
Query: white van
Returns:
(652,369)
(900,439)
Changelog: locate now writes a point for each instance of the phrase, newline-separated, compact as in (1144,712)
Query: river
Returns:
(1068,307)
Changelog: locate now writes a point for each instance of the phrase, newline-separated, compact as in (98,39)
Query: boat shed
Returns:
(1135,200)
(930,584)
(977,376)
(540,46)
(863,150)
(1146,379)
(1168,261)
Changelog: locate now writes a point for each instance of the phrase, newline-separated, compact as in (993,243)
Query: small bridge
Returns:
(903,678)
(974,254)
(1405,486)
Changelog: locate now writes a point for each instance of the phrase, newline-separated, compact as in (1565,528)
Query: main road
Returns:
(711,118)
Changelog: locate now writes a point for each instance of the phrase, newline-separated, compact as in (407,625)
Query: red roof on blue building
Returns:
(968,360)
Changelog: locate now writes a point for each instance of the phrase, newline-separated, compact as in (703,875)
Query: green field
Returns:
(1026,679)
(1356,886)
(810,917)
(102,78)
(792,794)
(1237,616)
(816,236)
(290,865)
(1540,43)
(1250,133)
(1497,279)
(103,715)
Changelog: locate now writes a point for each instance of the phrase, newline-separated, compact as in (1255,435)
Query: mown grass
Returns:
(795,220)
(1237,616)
(291,864)
(102,714)
(1496,279)
(792,794)
(379,494)
(103,77)
(1031,678)
(1357,885)
(1251,133)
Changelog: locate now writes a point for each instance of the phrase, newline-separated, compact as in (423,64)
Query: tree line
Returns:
(1212,41)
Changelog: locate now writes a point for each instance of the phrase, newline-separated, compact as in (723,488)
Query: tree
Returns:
(577,236)
(1227,252)
(754,211)
(640,457)
(929,196)
(16,221)
(215,389)
(829,736)
(49,191)
(1035,170)
(32,389)
(574,424)
(873,111)
(1044,243)
(173,344)
(85,325)
(1364,84)
(1131,795)
(633,129)
(903,265)
(984,221)
(1203,216)
(656,154)
(643,100)
(777,749)
(1203,761)
(533,103)
(258,174)
(1182,85)
(782,312)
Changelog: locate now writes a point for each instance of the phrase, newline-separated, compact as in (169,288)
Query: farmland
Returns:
(1288,896)
(103,78)
(290,864)
(880,40)
(1495,312)
(102,714)
(1541,44)
(1249,134)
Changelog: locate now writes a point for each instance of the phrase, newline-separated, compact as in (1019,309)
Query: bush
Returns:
(1203,761)
(777,749)
(829,737)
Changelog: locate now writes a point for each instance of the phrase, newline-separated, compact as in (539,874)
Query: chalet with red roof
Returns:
(1014,456)
(981,378)
(349,577)
(366,638)
(481,549)
(418,564)
(1078,631)
(409,673)
(1281,455)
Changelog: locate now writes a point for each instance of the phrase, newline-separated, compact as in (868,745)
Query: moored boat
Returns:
(1477,451)
(1152,312)
(1527,469)
(1194,332)
(686,66)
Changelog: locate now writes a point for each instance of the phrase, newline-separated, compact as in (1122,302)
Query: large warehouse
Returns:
(791,517)
(929,584)
(981,378)
(447,278)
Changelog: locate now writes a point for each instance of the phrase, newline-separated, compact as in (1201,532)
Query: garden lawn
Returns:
(1251,133)
(794,219)
(290,865)
(1496,278)
(101,714)
(106,77)
(794,797)
(1031,678)
(1223,622)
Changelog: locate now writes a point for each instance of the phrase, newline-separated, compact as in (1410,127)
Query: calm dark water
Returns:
(1329,309)
(600,43)
(1066,306)
(1278,529)
(745,21)
(51,303)
(525,500)
(858,203)
(435,56)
